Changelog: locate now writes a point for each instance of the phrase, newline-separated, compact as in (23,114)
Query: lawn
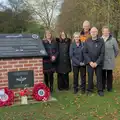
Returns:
(70,106)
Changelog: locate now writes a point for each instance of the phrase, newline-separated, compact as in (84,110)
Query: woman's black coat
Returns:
(52,50)
(63,60)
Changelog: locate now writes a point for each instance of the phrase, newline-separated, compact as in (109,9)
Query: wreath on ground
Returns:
(7,97)
(41,92)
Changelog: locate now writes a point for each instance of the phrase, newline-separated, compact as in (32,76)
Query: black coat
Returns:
(52,50)
(94,51)
(63,60)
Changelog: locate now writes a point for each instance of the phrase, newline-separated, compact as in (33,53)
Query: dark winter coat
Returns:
(52,50)
(63,61)
(76,54)
(94,51)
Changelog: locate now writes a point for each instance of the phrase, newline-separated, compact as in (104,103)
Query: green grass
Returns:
(69,107)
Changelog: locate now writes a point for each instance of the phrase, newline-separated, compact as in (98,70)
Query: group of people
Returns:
(86,53)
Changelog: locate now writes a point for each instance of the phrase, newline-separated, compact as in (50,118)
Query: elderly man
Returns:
(94,56)
(85,33)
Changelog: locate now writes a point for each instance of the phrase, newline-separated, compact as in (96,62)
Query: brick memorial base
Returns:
(11,65)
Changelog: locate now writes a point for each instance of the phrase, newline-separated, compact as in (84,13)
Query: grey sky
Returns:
(4,1)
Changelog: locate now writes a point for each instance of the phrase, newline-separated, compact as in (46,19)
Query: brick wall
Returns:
(10,65)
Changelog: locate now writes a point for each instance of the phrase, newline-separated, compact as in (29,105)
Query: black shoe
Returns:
(89,93)
(101,93)
(75,91)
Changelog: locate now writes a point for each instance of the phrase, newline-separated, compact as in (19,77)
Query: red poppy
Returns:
(41,92)
(24,92)
(8,98)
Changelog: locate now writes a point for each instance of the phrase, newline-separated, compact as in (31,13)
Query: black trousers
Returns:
(48,78)
(82,70)
(63,81)
(98,72)
(107,79)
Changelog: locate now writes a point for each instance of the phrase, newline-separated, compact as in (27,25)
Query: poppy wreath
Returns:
(41,92)
(8,98)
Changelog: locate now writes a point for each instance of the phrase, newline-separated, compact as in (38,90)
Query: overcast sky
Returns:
(4,1)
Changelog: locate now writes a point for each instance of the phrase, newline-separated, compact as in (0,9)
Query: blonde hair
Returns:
(76,34)
(46,33)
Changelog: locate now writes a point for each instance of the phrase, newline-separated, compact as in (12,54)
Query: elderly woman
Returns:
(111,52)
(76,54)
(49,62)
(63,62)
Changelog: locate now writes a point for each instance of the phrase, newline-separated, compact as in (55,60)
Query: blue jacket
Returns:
(94,51)
(76,54)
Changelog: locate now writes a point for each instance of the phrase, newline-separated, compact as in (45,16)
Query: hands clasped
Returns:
(93,64)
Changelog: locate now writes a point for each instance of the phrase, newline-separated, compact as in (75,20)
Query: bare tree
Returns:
(16,5)
(43,9)
(98,12)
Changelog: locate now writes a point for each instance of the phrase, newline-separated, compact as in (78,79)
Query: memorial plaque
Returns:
(21,45)
(20,79)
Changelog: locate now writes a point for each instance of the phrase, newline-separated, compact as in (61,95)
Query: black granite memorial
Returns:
(21,45)
(20,79)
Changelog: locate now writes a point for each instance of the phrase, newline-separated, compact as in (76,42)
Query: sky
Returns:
(4,1)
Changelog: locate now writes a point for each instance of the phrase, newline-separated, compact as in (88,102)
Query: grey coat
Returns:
(111,52)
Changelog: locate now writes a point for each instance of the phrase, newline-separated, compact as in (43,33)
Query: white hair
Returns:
(86,22)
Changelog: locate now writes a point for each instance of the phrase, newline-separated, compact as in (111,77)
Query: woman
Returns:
(63,62)
(49,62)
(111,52)
(76,54)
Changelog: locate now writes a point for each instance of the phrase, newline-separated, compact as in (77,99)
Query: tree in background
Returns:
(44,10)
(16,5)
(10,22)
(15,18)
(98,12)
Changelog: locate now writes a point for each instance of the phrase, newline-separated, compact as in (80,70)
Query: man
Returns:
(94,56)
(85,33)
